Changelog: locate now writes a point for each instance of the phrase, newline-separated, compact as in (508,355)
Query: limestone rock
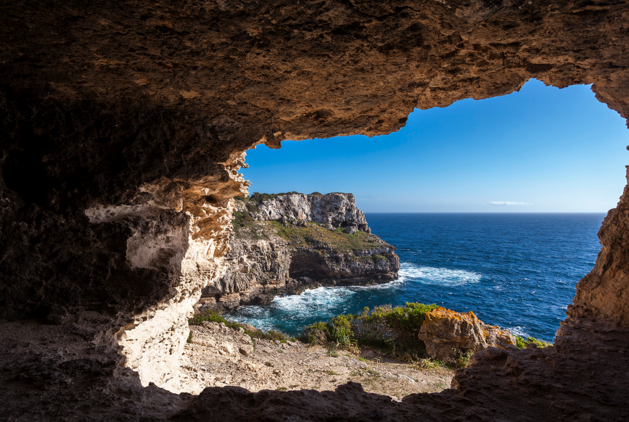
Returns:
(264,262)
(446,332)
(333,210)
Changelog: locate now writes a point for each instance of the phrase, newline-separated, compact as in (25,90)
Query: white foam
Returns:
(437,276)
(321,301)
(518,331)
(383,286)
(314,300)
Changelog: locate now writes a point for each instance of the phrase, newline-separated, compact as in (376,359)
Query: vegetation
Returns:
(258,334)
(300,234)
(521,342)
(463,359)
(311,235)
(314,235)
(242,219)
(261,197)
(392,331)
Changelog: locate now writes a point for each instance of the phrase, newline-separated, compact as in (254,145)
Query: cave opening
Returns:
(541,150)
(514,262)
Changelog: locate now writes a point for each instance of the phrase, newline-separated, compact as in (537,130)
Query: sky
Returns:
(541,149)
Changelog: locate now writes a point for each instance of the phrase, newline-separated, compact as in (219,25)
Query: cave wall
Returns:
(123,124)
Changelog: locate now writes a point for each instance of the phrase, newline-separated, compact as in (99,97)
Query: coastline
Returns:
(285,244)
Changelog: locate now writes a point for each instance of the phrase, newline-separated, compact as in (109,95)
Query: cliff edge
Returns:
(287,243)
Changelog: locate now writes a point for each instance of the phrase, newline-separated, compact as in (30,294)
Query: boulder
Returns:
(447,333)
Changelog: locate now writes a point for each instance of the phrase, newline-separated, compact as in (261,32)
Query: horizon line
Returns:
(487,212)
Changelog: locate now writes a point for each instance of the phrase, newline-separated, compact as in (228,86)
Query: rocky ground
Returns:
(219,356)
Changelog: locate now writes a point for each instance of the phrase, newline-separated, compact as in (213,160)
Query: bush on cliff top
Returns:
(315,235)
(390,330)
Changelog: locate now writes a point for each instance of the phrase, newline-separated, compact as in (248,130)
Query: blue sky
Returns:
(538,150)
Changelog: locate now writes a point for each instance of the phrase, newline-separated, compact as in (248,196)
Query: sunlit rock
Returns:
(447,334)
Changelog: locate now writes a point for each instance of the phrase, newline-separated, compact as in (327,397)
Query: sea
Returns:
(517,271)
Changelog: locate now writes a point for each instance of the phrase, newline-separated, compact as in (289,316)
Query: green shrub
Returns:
(340,331)
(252,207)
(463,358)
(242,219)
(316,333)
(394,330)
(212,316)
(521,343)
(390,330)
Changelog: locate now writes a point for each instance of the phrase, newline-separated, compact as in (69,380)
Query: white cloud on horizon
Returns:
(507,203)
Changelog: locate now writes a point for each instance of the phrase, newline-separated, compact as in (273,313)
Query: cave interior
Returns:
(124,124)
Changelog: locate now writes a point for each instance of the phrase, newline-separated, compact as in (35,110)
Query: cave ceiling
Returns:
(133,90)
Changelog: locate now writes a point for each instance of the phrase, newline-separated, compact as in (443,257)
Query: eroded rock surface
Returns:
(287,243)
(603,294)
(447,334)
(565,382)
(332,210)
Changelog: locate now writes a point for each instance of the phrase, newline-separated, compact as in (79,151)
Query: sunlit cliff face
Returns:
(122,130)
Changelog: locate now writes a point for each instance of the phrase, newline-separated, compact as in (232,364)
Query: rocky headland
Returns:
(287,243)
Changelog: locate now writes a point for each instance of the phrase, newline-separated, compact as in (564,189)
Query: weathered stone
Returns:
(351,229)
(261,264)
(447,333)
(332,210)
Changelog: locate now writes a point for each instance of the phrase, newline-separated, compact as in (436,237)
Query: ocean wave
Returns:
(383,286)
(518,331)
(323,302)
(313,300)
(437,276)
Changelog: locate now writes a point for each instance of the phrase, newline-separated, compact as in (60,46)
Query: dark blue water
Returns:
(518,271)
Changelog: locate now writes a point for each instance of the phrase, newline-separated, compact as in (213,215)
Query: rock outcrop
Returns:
(447,334)
(333,210)
(143,110)
(287,243)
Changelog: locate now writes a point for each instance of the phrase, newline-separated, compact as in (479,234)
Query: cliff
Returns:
(287,243)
